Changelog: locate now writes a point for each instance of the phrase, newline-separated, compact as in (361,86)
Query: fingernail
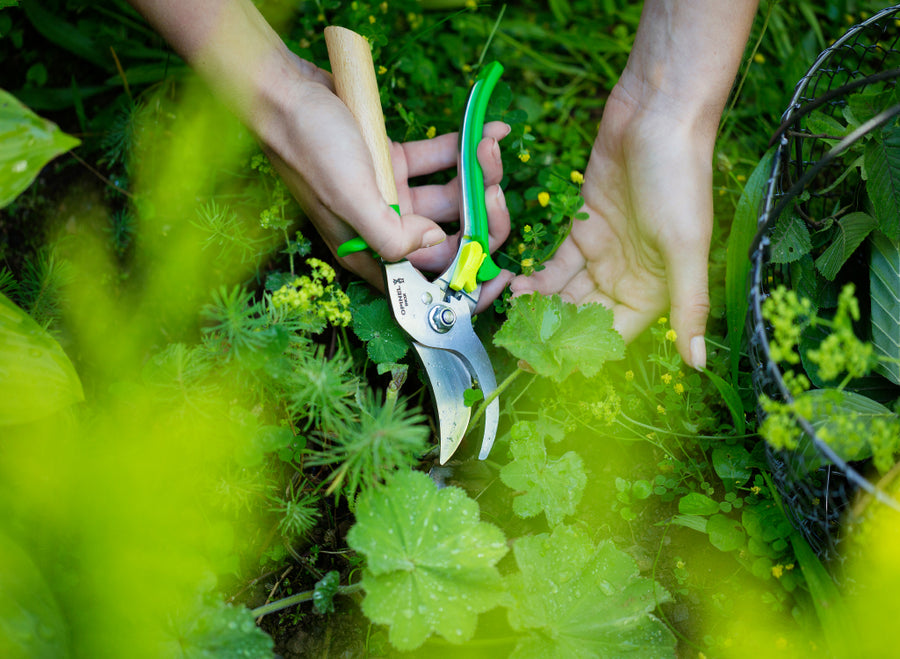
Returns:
(698,352)
(508,129)
(501,197)
(433,237)
(495,150)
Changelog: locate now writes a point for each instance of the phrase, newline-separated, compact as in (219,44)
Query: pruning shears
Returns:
(437,315)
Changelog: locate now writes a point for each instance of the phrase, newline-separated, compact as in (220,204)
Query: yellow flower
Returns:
(371,19)
(679,388)
(755,489)
(524,156)
(471,4)
(660,409)
(527,263)
(671,335)
(521,248)
(759,58)
(382,70)
(383,7)
(431,132)
(777,571)
(544,198)
(666,378)
(662,320)
(526,128)
(629,375)
(527,228)
(466,68)
(577,177)
(741,178)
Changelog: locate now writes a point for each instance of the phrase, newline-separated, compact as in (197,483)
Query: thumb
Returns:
(394,237)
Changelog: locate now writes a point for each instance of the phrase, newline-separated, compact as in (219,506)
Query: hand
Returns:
(316,147)
(645,244)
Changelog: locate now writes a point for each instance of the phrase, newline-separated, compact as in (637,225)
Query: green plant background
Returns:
(208,421)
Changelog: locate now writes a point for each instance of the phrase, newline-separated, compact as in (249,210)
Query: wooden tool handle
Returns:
(354,80)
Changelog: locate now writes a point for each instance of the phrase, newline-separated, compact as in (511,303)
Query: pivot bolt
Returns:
(441,318)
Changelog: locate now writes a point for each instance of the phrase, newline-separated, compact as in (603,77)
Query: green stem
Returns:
(299,598)
(495,393)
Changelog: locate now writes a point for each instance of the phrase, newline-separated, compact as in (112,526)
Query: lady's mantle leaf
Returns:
(557,338)
(852,229)
(548,485)
(29,143)
(374,324)
(431,561)
(884,284)
(36,377)
(574,599)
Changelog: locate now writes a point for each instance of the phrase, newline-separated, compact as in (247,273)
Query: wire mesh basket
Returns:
(807,178)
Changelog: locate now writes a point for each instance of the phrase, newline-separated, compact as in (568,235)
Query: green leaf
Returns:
(695,503)
(325,590)
(732,465)
(27,143)
(732,400)
(737,261)
(557,338)
(551,486)
(820,123)
(374,324)
(884,287)
(572,598)
(36,377)
(695,522)
(66,35)
(790,240)
(725,533)
(431,561)
(852,229)
(882,164)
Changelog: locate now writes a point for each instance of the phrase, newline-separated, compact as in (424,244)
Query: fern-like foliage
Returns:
(237,324)
(40,289)
(320,391)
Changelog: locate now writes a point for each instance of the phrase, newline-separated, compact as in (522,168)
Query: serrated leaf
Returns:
(737,262)
(882,163)
(851,230)
(820,123)
(374,324)
(543,484)
(36,376)
(790,240)
(27,143)
(557,338)
(572,598)
(430,560)
(325,590)
(884,288)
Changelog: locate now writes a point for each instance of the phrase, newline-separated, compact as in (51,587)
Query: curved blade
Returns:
(448,378)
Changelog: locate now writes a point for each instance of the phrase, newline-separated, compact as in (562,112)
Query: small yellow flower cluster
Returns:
(431,132)
(671,335)
(471,4)
(415,20)
(543,198)
(382,70)
(577,177)
(524,156)
(316,294)
(679,388)
(666,378)
(527,263)
(629,375)
(759,58)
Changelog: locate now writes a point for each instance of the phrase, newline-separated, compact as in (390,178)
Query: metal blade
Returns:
(448,378)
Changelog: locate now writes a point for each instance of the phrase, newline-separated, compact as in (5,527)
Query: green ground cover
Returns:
(210,440)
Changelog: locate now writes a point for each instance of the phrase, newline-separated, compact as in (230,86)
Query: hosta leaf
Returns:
(883,183)
(36,376)
(27,143)
(572,598)
(790,240)
(884,287)
(851,230)
(374,324)
(557,338)
(430,560)
(551,486)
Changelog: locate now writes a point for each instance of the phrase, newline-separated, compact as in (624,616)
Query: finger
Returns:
(394,237)
(441,202)
(439,153)
(689,294)
(557,272)
(491,290)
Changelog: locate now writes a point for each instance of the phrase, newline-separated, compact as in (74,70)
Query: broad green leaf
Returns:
(820,123)
(430,560)
(66,35)
(695,503)
(27,143)
(732,465)
(36,377)
(790,240)
(737,265)
(884,288)
(374,324)
(326,589)
(883,184)
(32,625)
(557,338)
(732,400)
(574,599)
(851,230)
(725,534)
(543,484)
